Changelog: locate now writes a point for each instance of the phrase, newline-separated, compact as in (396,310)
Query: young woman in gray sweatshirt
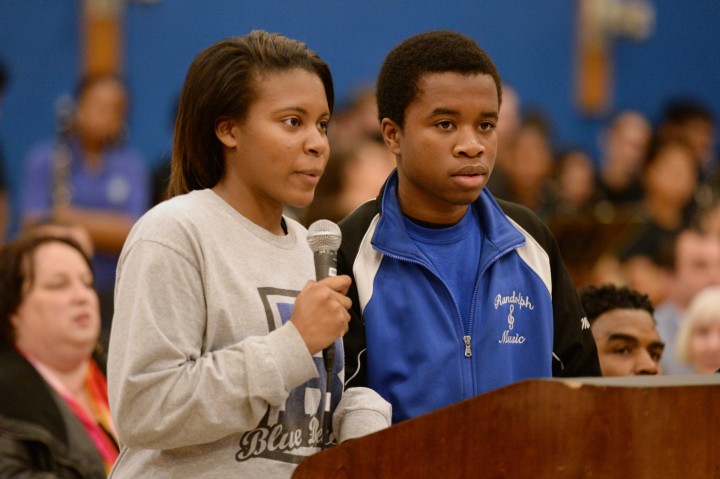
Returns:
(215,361)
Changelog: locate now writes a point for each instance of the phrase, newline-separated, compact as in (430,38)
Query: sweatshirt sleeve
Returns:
(361,411)
(167,391)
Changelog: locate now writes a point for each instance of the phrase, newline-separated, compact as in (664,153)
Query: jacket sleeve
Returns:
(166,389)
(30,451)
(353,228)
(15,460)
(574,348)
(354,339)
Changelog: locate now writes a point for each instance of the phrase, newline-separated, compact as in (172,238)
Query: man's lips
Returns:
(471,171)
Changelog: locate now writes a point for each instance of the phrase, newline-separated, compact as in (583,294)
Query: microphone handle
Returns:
(325,267)
(325,264)
(329,360)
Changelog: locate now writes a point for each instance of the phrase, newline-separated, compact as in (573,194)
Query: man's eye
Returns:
(486,126)
(444,125)
(622,351)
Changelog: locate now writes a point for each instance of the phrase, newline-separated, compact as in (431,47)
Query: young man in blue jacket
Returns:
(454,293)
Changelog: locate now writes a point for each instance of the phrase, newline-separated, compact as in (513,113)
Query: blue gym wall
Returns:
(531,42)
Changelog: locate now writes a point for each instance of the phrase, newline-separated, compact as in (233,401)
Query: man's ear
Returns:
(225,131)
(392,134)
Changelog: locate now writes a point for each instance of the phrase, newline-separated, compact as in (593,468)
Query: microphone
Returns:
(324,238)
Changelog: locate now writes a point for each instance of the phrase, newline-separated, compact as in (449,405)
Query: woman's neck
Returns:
(93,152)
(69,367)
(265,216)
(74,379)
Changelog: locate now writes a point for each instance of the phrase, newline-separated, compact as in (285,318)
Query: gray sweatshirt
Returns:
(206,375)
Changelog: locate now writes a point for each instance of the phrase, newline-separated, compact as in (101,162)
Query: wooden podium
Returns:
(634,427)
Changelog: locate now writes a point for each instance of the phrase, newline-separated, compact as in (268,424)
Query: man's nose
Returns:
(645,365)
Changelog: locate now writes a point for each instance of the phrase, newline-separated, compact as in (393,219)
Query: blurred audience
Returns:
(623,147)
(695,266)
(707,218)
(4,195)
(88,176)
(698,341)
(54,414)
(580,224)
(669,180)
(528,167)
(574,181)
(351,177)
(510,118)
(692,122)
(606,220)
(508,125)
(355,120)
(621,320)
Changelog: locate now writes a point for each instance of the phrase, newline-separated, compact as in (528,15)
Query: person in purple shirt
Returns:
(89,177)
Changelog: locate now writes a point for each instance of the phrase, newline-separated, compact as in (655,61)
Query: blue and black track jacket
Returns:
(407,340)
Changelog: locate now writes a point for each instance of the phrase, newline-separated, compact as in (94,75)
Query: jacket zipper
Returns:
(467,340)
(466,337)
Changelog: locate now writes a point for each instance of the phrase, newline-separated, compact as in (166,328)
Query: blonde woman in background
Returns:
(698,342)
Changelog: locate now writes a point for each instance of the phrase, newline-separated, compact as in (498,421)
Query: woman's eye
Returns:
(323,125)
(294,121)
(486,126)
(56,285)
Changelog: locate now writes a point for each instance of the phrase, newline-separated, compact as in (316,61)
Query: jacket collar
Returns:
(27,396)
(391,237)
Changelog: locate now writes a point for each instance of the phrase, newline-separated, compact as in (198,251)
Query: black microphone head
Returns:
(324,235)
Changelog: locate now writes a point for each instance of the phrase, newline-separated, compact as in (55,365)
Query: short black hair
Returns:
(599,299)
(430,52)
(679,111)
